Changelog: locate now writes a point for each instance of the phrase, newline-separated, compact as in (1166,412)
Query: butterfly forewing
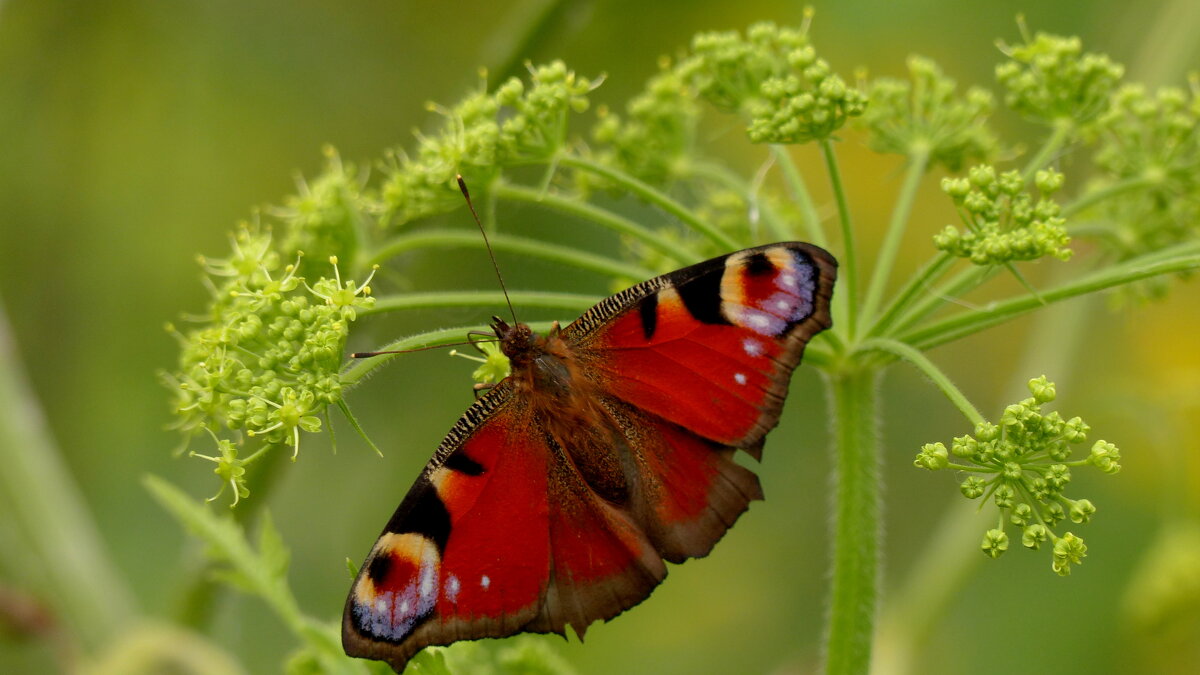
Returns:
(558,495)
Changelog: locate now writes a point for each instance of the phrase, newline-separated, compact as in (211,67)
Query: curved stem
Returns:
(602,217)
(651,196)
(353,373)
(438,299)
(799,190)
(857,534)
(966,280)
(966,323)
(895,233)
(927,367)
(1063,128)
(718,173)
(508,243)
(919,283)
(849,263)
(1106,192)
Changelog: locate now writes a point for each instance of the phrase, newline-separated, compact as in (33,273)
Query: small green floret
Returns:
(924,116)
(1023,465)
(1050,79)
(774,78)
(1003,222)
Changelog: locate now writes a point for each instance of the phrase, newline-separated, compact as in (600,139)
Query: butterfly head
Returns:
(514,339)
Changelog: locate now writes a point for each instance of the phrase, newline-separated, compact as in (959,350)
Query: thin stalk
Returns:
(963,282)
(602,217)
(356,370)
(799,190)
(510,244)
(718,173)
(966,323)
(927,367)
(439,299)
(1106,192)
(202,592)
(857,534)
(652,196)
(919,283)
(41,501)
(882,271)
(849,262)
(1063,128)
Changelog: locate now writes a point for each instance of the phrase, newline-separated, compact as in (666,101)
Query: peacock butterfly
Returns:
(556,497)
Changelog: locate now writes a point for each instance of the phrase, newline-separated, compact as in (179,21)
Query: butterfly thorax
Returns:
(565,404)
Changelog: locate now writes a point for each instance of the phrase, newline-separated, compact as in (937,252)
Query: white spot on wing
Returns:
(452,587)
(485,581)
(752,347)
(740,378)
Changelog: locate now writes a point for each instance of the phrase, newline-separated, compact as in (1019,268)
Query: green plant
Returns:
(265,361)
(266,358)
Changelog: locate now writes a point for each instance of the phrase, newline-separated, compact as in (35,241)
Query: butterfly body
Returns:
(559,494)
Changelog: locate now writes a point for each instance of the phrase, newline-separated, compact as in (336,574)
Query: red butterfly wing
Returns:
(555,498)
(712,347)
(501,534)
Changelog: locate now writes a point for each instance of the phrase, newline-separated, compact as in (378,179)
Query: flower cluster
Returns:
(1049,79)
(485,132)
(1003,223)
(1023,465)
(925,116)
(327,217)
(657,132)
(1149,147)
(774,78)
(264,360)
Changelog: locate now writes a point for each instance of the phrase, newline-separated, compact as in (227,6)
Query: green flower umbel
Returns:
(1023,465)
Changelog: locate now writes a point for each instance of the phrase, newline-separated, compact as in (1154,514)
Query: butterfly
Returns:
(558,495)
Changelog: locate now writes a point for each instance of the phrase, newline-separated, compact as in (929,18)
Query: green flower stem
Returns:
(651,196)
(751,192)
(439,299)
(911,615)
(849,263)
(963,282)
(917,163)
(356,370)
(201,592)
(507,243)
(1108,191)
(1062,130)
(966,323)
(857,533)
(918,285)
(930,370)
(65,563)
(799,190)
(573,207)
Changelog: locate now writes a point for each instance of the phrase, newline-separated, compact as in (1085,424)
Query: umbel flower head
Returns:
(774,78)
(479,137)
(1050,79)
(1003,222)
(263,361)
(1023,465)
(924,116)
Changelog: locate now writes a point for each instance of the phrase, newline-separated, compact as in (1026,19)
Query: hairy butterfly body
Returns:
(558,495)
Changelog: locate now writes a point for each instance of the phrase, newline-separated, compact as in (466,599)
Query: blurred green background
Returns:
(137,133)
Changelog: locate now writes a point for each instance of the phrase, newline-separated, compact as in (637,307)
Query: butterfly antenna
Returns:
(462,185)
